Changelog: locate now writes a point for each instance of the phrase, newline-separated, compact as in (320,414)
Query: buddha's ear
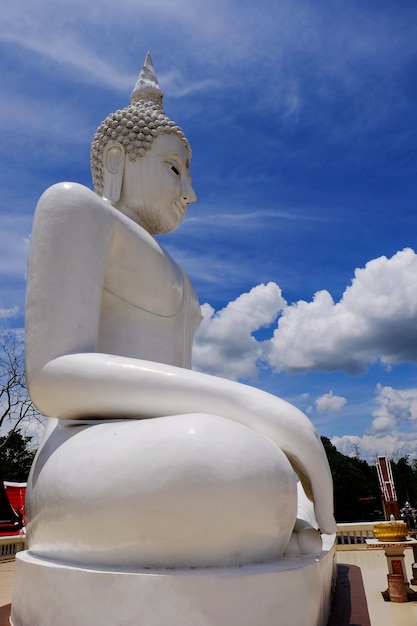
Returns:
(114,165)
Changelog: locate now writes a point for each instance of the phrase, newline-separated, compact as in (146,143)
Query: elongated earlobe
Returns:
(113,165)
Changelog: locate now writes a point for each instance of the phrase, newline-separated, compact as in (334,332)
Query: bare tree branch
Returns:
(16,413)
(16,408)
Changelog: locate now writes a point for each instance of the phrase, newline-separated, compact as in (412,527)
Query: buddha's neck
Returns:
(120,206)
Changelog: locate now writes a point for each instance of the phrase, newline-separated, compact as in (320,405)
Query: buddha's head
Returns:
(140,159)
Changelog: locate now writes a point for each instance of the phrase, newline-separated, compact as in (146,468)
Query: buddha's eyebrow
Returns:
(173,155)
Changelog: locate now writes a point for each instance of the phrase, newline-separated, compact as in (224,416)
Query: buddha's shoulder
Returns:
(68,197)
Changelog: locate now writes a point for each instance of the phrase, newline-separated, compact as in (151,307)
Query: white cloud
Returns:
(224,344)
(393,431)
(375,319)
(328,402)
(368,447)
(396,408)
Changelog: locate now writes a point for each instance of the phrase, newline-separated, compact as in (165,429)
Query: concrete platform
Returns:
(6,590)
(51,593)
(348,606)
(374,569)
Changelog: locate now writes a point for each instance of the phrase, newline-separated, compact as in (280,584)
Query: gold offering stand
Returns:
(393,537)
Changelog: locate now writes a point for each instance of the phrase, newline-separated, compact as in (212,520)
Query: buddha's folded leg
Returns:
(192,490)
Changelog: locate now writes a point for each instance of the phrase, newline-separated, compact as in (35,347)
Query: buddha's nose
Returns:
(187,193)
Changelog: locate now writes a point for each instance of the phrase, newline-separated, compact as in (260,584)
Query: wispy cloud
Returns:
(14,245)
(296,34)
(208,216)
(8,313)
(44,121)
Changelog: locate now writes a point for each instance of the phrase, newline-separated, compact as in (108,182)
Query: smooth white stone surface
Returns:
(219,494)
(292,592)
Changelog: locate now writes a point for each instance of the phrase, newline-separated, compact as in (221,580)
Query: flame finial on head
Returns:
(147,86)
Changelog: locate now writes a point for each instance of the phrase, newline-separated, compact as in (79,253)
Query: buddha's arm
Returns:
(72,232)
(99,385)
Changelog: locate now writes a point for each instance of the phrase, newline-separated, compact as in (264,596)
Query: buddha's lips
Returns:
(181,208)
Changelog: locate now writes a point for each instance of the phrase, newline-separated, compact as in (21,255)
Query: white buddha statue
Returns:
(146,463)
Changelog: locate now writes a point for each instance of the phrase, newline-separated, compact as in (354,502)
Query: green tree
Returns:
(356,493)
(17,456)
(405,480)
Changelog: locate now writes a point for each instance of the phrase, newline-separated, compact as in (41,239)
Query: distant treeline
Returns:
(356,488)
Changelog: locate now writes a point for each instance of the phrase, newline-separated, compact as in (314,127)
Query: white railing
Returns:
(10,545)
(353,536)
(348,537)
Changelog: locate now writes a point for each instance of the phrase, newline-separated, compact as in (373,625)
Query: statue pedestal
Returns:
(294,591)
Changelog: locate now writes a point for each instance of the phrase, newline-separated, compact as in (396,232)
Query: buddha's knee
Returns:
(180,491)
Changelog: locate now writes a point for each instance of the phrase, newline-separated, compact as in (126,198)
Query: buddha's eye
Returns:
(174,169)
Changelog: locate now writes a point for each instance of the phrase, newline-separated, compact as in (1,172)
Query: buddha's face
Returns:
(156,189)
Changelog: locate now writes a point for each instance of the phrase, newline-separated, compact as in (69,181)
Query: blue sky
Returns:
(302,116)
